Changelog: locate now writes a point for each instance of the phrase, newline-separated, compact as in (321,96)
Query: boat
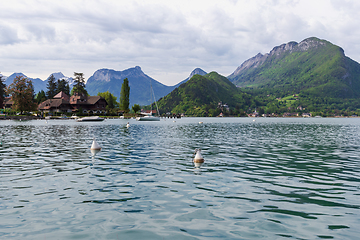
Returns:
(149,116)
(90,119)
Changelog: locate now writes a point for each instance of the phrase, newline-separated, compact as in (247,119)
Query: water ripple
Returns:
(275,178)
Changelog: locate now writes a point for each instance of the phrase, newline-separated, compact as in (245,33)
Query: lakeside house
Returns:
(8,102)
(64,104)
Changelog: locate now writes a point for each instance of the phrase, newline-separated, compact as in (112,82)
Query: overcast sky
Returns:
(166,38)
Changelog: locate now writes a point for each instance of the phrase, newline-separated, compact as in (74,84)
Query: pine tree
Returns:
(51,87)
(22,94)
(40,97)
(63,86)
(79,86)
(125,96)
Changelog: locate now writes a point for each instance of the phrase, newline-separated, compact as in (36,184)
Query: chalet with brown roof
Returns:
(8,102)
(55,105)
(63,103)
(94,104)
(62,95)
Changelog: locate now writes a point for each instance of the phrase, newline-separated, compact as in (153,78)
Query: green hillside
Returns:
(201,95)
(313,67)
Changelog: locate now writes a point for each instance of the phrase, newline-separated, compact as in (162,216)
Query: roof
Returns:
(62,95)
(88,100)
(71,102)
(8,102)
(93,99)
(52,103)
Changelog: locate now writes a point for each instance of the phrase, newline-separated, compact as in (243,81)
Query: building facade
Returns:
(78,102)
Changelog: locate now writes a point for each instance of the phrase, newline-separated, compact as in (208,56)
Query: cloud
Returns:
(8,35)
(166,38)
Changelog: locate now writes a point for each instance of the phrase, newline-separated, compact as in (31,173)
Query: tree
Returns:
(110,99)
(22,94)
(79,84)
(125,96)
(136,108)
(63,86)
(40,97)
(51,87)
(2,91)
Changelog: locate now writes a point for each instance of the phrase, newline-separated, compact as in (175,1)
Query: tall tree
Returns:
(110,99)
(63,86)
(136,108)
(2,91)
(51,87)
(40,97)
(79,85)
(125,96)
(22,94)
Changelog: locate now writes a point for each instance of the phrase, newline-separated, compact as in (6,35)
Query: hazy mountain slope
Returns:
(37,82)
(110,80)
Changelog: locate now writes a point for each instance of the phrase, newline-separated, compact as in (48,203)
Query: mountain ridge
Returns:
(111,80)
(204,96)
(312,67)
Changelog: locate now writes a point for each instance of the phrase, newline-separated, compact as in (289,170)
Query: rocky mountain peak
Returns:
(102,75)
(283,48)
(289,47)
(57,75)
(310,43)
(197,71)
(252,62)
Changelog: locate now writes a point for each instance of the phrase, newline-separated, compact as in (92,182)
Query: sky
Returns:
(167,39)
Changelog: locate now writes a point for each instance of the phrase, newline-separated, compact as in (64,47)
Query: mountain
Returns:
(110,80)
(37,82)
(202,94)
(198,71)
(60,75)
(312,67)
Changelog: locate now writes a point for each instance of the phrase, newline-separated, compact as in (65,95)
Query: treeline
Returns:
(280,103)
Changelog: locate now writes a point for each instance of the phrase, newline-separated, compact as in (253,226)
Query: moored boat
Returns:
(90,119)
(148,118)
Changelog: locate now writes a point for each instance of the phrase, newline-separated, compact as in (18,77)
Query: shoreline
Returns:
(27,118)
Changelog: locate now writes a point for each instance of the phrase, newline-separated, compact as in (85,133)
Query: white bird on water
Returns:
(128,125)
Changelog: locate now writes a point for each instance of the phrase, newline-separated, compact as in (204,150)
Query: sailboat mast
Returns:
(152,90)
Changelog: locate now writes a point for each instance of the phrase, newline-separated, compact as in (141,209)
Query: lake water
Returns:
(273,178)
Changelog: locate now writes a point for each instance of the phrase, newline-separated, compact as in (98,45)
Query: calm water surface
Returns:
(268,179)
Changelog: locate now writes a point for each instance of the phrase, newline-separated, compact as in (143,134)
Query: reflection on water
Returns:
(269,179)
